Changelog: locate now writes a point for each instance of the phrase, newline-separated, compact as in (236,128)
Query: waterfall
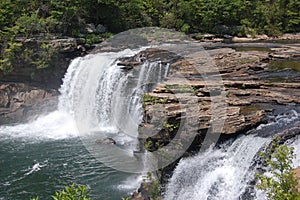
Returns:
(105,101)
(104,98)
(223,173)
(98,100)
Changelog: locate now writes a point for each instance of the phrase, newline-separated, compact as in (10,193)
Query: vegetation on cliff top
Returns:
(25,18)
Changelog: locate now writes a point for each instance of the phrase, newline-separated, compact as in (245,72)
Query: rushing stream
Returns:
(98,100)
(225,173)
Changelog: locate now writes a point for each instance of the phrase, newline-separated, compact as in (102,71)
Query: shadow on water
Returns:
(285,64)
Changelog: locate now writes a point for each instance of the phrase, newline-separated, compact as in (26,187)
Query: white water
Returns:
(98,100)
(96,97)
(224,173)
(57,125)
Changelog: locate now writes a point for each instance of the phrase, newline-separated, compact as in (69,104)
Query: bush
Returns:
(71,192)
(280,184)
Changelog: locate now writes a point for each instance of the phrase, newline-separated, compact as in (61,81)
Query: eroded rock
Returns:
(20,102)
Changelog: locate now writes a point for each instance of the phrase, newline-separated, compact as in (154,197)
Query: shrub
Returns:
(280,184)
(71,192)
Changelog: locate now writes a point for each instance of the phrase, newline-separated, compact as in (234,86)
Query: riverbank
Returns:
(207,37)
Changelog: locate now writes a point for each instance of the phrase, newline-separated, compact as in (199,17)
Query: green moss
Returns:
(245,110)
(152,100)
(182,88)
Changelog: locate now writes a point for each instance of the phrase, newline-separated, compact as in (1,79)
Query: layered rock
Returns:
(252,87)
(246,80)
(20,102)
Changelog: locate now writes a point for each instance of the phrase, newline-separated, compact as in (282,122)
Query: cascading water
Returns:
(224,173)
(98,100)
(100,94)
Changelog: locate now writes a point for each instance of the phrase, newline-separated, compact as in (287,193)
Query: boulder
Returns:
(105,141)
(90,28)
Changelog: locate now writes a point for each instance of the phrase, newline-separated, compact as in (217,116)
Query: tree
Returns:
(280,184)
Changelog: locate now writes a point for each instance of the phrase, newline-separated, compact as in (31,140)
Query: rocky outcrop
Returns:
(253,89)
(247,82)
(21,102)
(223,37)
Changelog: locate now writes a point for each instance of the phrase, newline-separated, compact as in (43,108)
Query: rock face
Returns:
(249,84)
(20,102)
(29,91)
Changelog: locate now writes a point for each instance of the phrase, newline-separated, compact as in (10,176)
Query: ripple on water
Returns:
(40,168)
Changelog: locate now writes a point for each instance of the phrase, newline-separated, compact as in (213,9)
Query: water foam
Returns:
(54,126)
(226,173)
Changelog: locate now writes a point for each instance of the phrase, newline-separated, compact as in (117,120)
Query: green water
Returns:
(61,162)
(286,64)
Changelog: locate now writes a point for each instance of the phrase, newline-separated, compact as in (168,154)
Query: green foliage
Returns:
(153,186)
(281,184)
(72,193)
(47,53)
(9,55)
(92,39)
(148,145)
(153,146)
(21,20)
(70,16)
(152,100)
(171,126)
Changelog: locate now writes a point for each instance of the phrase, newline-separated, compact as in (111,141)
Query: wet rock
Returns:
(137,196)
(128,65)
(105,141)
